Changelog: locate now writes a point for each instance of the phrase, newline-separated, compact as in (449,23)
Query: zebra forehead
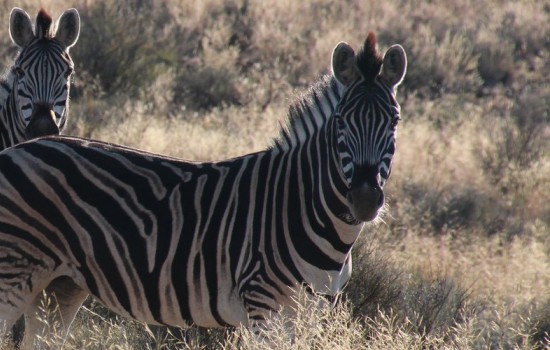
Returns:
(45,48)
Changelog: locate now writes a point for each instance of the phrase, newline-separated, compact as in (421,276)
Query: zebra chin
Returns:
(365,202)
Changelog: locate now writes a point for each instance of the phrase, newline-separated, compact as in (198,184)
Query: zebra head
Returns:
(43,69)
(366,120)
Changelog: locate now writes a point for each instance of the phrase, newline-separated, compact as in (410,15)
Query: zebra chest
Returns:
(270,282)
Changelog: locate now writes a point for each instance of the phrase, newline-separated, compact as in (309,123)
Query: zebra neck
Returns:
(316,186)
(315,216)
(12,128)
(334,181)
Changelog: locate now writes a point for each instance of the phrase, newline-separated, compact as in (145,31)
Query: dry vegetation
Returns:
(462,258)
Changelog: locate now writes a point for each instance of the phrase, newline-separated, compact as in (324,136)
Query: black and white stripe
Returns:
(34,93)
(170,242)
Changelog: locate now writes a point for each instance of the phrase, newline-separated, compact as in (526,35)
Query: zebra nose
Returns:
(42,122)
(365,202)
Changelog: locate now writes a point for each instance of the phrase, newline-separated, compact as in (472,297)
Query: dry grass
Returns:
(462,260)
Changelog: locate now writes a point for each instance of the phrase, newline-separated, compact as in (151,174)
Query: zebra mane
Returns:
(310,110)
(368,60)
(43,25)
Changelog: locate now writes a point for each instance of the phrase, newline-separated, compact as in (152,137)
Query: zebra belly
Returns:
(163,304)
(201,318)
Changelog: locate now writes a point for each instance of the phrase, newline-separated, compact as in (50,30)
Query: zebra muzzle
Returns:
(42,122)
(365,196)
(365,202)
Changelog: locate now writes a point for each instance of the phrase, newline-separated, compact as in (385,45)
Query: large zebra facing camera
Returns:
(171,242)
(367,119)
(37,86)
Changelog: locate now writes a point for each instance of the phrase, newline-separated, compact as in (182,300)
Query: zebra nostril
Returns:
(375,196)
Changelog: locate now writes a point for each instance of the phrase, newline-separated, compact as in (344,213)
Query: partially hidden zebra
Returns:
(174,242)
(34,93)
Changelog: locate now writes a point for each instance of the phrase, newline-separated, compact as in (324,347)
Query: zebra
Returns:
(173,242)
(34,93)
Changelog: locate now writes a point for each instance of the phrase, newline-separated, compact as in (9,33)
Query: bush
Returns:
(203,86)
(440,65)
(450,209)
(495,65)
(540,324)
(208,71)
(432,305)
(467,208)
(375,283)
(519,140)
(440,50)
(125,44)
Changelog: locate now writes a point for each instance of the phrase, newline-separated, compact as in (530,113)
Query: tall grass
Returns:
(461,260)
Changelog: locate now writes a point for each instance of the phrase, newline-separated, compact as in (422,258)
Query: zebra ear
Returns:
(68,28)
(20,27)
(343,64)
(394,66)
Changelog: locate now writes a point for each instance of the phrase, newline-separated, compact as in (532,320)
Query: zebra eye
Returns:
(69,71)
(340,122)
(395,121)
(20,72)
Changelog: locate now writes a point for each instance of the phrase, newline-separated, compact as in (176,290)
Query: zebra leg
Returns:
(22,277)
(8,316)
(18,331)
(58,305)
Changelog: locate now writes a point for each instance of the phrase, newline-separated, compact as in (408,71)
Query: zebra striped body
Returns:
(149,246)
(34,93)
(170,242)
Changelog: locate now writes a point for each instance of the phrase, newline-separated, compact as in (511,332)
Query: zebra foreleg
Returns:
(51,314)
(21,278)
(18,331)
(8,316)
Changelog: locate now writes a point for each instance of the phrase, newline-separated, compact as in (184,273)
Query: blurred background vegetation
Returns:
(461,259)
